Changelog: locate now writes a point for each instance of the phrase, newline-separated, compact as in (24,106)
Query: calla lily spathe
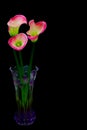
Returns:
(14,24)
(35,29)
(18,42)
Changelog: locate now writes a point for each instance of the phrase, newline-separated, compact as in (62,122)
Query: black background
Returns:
(43,98)
(54,57)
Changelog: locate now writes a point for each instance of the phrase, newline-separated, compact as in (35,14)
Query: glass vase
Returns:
(25,115)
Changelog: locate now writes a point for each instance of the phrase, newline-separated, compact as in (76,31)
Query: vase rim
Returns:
(14,69)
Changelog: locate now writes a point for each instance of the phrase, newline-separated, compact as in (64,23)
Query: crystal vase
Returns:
(25,115)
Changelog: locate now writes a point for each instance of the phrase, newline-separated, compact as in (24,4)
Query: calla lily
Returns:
(35,30)
(14,24)
(18,42)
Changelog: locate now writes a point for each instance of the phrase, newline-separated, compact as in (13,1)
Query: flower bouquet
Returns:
(23,75)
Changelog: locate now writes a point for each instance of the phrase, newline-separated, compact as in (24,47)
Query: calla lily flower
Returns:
(18,42)
(35,30)
(14,24)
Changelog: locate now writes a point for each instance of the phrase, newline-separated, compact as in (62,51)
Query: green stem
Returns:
(17,64)
(29,71)
(31,61)
(21,62)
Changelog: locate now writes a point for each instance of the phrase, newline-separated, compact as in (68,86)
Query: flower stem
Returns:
(29,71)
(17,64)
(31,61)
(21,62)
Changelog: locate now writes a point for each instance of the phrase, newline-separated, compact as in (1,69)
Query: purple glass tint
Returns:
(27,118)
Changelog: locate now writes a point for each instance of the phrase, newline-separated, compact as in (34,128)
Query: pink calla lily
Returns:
(35,30)
(14,24)
(18,42)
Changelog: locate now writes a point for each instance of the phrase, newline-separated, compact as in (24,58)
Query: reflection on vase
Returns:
(24,115)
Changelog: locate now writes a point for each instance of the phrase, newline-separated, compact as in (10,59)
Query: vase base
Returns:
(27,118)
